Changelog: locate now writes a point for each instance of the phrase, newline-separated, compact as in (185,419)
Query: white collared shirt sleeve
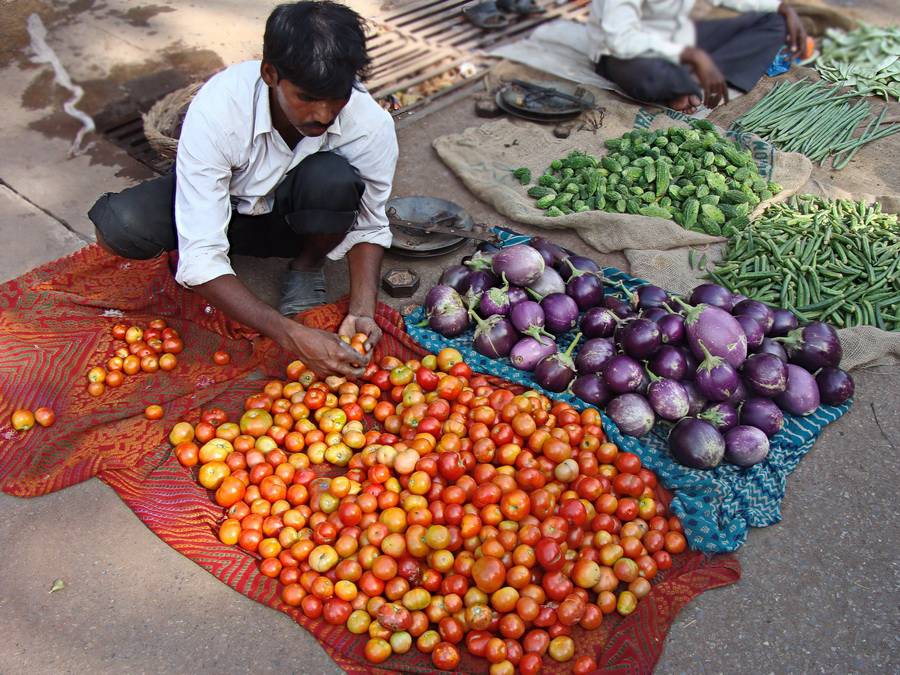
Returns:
(748,5)
(375,158)
(202,200)
(625,34)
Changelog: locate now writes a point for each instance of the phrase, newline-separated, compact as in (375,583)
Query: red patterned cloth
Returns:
(55,324)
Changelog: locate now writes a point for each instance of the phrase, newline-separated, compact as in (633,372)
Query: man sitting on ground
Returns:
(287,157)
(657,54)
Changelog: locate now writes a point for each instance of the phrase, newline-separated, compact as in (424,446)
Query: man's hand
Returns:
(715,89)
(796,37)
(323,353)
(352,324)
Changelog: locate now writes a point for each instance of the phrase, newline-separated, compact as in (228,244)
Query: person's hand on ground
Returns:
(323,353)
(352,324)
(796,37)
(715,89)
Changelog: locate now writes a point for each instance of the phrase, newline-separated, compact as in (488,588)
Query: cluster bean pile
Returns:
(467,516)
(722,367)
(693,176)
(817,120)
(831,260)
(867,60)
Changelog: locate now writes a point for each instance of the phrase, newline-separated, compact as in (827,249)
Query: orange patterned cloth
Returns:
(55,324)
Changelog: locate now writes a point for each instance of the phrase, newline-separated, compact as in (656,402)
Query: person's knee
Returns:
(327,181)
(117,222)
(773,21)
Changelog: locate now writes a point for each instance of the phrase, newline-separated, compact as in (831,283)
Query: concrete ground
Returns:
(819,591)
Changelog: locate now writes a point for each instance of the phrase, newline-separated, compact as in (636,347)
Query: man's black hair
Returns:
(320,46)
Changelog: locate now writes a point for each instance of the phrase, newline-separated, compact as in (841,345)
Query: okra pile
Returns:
(694,176)
(826,260)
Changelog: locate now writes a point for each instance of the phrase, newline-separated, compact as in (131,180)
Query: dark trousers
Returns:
(317,198)
(742,48)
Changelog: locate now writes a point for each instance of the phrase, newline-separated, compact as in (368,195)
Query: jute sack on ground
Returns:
(483,158)
(670,269)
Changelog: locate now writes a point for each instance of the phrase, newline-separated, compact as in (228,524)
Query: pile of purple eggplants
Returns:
(720,368)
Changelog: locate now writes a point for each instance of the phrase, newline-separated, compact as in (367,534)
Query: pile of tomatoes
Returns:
(468,515)
(146,350)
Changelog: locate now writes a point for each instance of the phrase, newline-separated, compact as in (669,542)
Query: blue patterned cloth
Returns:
(717,507)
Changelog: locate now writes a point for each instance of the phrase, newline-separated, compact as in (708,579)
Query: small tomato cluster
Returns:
(145,350)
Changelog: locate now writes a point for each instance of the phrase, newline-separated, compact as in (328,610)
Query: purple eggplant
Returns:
(696,444)
(723,416)
(668,362)
(548,283)
(814,346)
(712,294)
(494,301)
(696,401)
(619,307)
(652,296)
(746,445)
(577,262)
(691,362)
(756,311)
(557,371)
(531,350)
(623,374)
(639,338)
(525,315)
(715,377)
(668,399)
(552,254)
(589,387)
(773,347)
(586,289)
(752,330)
(719,332)
(560,313)
(654,313)
(478,282)
(598,322)
(765,374)
(671,329)
(632,414)
(445,311)
(494,336)
(454,276)
(479,261)
(739,395)
(516,294)
(783,322)
(521,264)
(594,355)
(801,395)
(763,414)
(835,385)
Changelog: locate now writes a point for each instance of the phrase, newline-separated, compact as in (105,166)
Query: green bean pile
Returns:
(828,260)
(866,59)
(815,119)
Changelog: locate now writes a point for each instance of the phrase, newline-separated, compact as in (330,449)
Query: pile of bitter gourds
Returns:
(694,176)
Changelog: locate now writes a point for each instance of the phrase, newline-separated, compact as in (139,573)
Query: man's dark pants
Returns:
(315,205)
(742,48)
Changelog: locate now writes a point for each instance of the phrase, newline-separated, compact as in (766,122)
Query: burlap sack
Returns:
(670,269)
(483,158)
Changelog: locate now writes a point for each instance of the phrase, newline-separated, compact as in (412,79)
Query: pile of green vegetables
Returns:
(817,120)
(828,260)
(866,59)
(694,176)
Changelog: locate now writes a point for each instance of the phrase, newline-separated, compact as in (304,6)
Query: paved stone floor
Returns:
(819,591)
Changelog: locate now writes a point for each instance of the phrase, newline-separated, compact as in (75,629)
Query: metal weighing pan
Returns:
(418,244)
(539,101)
(532,117)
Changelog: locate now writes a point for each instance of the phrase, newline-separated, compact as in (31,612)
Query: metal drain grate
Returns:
(408,45)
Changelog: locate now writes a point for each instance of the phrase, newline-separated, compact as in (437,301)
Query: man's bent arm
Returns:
(364,261)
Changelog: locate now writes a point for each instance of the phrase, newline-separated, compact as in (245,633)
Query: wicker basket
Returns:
(162,123)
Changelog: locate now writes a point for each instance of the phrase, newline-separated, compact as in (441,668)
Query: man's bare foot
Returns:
(686,104)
